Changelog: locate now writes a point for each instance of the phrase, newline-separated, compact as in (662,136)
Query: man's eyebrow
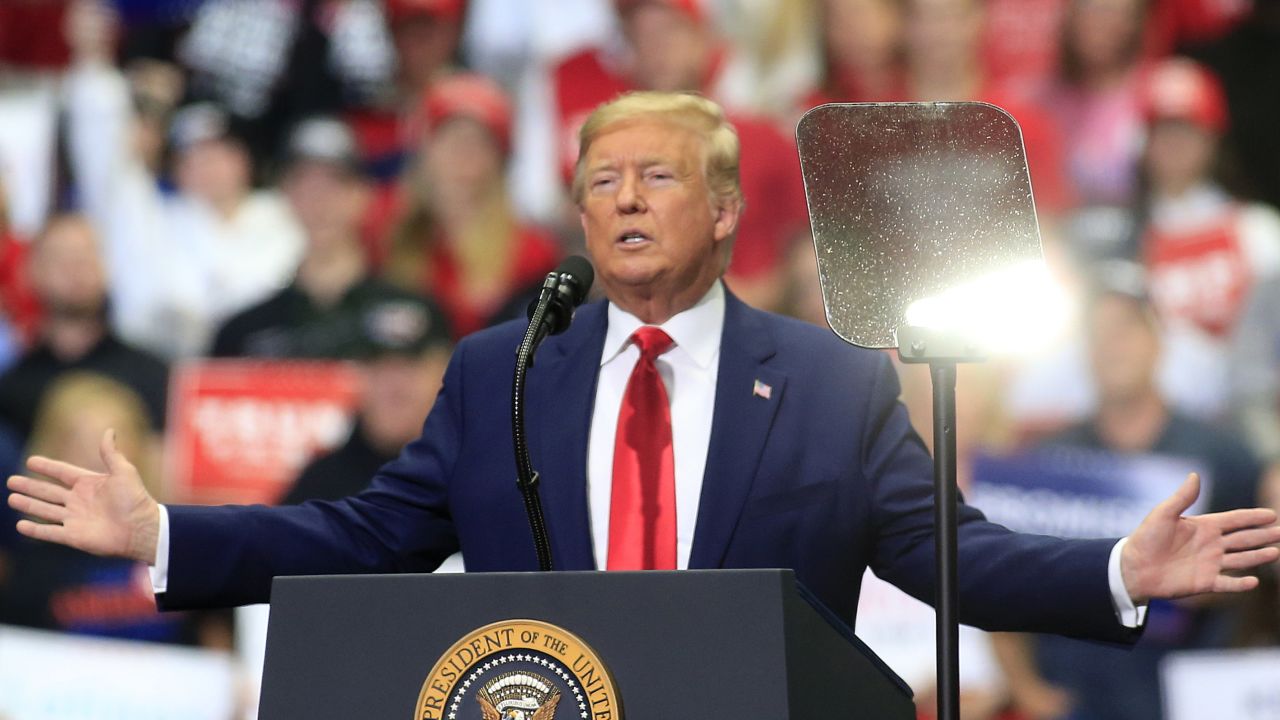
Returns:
(652,160)
(602,166)
(643,163)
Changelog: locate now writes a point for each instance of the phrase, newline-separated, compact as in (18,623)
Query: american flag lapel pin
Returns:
(762,390)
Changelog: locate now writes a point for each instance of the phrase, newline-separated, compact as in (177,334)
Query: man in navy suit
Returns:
(770,444)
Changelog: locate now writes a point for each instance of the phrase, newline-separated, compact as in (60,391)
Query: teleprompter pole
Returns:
(944,515)
(943,350)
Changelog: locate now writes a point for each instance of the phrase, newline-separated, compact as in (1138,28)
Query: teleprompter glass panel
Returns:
(909,201)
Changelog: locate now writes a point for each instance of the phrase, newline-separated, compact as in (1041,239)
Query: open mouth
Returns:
(633,238)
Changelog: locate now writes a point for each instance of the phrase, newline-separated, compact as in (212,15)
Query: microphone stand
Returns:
(526,477)
(942,351)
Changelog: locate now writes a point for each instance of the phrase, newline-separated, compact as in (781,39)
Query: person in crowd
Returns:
(1204,250)
(272,64)
(74,333)
(1247,60)
(771,61)
(425,36)
(659,200)
(1094,98)
(1054,677)
(319,314)
(672,45)
(1254,372)
(180,262)
(52,588)
(863,53)
(19,308)
(1255,393)
(1258,616)
(402,360)
(457,238)
(1020,41)
(944,63)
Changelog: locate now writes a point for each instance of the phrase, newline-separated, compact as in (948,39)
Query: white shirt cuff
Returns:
(1129,615)
(159,569)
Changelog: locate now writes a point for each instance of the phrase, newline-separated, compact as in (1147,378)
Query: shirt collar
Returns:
(696,331)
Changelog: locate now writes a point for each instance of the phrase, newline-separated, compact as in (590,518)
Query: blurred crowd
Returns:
(371,180)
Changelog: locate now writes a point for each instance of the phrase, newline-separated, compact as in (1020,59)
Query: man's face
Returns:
(462,162)
(1179,155)
(398,393)
(424,45)
(671,50)
(652,227)
(1125,347)
(216,171)
(1103,31)
(941,34)
(66,270)
(325,198)
(859,33)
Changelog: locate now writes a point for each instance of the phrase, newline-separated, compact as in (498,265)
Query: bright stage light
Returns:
(981,310)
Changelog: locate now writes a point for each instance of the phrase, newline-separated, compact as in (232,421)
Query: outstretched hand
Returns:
(1171,556)
(105,514)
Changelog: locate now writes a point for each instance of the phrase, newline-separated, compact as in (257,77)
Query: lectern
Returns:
(685,645)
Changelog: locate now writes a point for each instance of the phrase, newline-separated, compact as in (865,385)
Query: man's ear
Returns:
(727,212)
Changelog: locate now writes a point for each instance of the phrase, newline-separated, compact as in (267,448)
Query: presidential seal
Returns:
(519,670)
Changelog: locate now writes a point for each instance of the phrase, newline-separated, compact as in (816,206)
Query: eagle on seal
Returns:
(547,711)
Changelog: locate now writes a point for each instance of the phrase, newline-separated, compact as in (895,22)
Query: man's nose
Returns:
(630,198)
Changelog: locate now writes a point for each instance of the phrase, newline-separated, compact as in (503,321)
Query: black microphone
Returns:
(563,290)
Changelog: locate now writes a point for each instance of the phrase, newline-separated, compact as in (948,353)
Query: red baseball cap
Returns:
(398,10)
(473,96)
(693,8)
(1181,89)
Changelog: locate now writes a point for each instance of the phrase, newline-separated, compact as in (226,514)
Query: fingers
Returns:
(1233,520)
(47,533)
(1228,584)
(1255,537)
(38,509)
(65,473)
(1250,558)
(39,489)
(1182,499)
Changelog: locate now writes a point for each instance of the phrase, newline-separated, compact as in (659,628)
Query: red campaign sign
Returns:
(241,430)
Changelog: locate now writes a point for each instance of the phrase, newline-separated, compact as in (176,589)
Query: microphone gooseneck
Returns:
(562,291)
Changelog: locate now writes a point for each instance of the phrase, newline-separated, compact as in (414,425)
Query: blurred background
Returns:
(247,233)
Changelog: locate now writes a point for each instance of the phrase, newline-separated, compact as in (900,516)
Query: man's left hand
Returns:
(1171,556)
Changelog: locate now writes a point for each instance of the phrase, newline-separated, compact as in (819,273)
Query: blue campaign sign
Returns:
(1077,492)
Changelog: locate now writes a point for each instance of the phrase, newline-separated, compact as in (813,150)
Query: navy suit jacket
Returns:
(824,476)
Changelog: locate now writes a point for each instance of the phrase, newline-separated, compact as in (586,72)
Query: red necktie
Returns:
(642,511)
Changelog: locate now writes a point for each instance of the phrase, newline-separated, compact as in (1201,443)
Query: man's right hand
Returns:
(105,514)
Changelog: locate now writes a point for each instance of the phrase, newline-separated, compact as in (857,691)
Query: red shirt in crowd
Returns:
(534,254)
(18,302)
(1204,255)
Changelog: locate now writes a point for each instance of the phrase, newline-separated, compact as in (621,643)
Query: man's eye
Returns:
(602,183)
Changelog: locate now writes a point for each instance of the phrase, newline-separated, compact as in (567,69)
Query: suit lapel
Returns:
(747,397)
(561,394)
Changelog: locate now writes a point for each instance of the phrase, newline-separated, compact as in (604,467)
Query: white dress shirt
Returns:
(689,370)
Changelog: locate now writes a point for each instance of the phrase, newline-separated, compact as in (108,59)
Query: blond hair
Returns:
(689,110)
(73,395)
